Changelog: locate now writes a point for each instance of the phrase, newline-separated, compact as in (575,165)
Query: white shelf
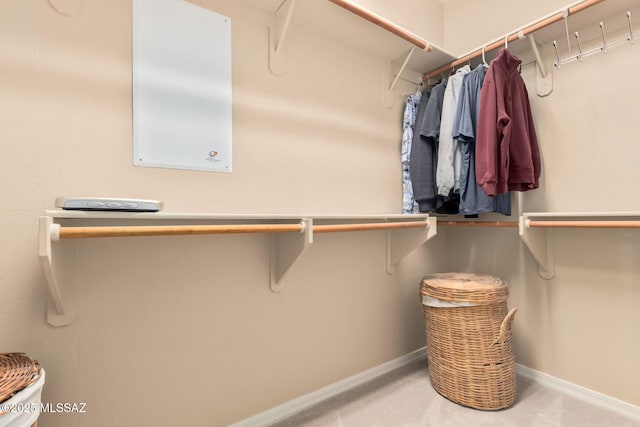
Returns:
(159,216)
(536,231)
(404,233)
(411,62)
(335,23)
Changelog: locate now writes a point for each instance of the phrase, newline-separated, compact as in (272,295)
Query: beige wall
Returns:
(184,331)
(581,326)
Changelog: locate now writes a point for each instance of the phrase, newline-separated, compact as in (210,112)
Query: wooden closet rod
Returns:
(175,230)
(331,228)
(384,23)
(500,224)
(511,36)
(547,224)
(584,224)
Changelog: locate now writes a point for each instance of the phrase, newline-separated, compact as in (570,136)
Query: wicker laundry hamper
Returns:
(469,348)
(19,374)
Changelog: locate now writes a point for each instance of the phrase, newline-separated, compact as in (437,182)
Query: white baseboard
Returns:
(581,393)
(295,406)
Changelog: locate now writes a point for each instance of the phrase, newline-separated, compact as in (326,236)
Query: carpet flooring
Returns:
(405,398)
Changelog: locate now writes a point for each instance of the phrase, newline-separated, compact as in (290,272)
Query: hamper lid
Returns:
(480,289)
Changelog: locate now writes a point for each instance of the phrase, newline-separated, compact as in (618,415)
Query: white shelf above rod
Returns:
(536,231)
(58,246)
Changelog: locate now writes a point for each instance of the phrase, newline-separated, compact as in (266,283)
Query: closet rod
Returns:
(499,224)
(384,23)
(513,35)
(583,224)
(331,228)
(175,230)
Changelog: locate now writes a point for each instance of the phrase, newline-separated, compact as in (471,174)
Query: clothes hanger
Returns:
(419,87)
(428,83)
(484,61)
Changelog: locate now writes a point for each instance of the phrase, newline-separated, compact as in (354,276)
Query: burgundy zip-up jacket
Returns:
(507,153)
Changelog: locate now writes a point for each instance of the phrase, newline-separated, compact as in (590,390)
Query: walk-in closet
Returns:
(215,212)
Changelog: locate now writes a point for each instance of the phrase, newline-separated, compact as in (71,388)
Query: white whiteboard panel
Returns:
(181,86)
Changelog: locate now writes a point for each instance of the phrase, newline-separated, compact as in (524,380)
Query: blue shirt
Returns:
(473,200)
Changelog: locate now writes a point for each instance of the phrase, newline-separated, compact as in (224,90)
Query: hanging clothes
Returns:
(473,199)
(409,205)
(507,153)
(448,169)
(424,149)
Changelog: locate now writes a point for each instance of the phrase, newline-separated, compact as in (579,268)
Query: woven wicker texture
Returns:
(16,372)
(470,353)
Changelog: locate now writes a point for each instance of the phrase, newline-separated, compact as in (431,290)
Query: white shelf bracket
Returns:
(285,249)
(393,73)
(540,243)
(278,35)
(60,273)
(401,69)
(544,79)
(402,242)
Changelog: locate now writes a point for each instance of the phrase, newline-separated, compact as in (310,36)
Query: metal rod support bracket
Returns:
(60,273)
(393,73)
(401,243)
(541,245)
(544,79)
(277,37)
(285,250)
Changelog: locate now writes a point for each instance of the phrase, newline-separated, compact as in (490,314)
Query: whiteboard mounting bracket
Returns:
(60,271)
(285,249)
(278,35)
(401,242)
(540,243)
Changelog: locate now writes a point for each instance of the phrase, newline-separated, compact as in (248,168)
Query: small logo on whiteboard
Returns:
(213,156)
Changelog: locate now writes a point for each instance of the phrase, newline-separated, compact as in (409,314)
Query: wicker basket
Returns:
(471,359)
(21,380)
(17,371)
